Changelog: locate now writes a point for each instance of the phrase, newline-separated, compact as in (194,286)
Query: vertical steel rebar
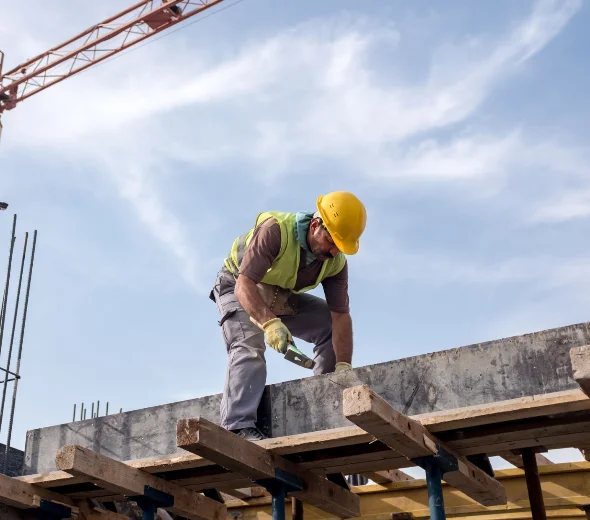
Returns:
(74,416)
(16,308)
(2,309)
(92,411)
(97,407)
(81,410)
(20,351)
(7,283)
(107,408)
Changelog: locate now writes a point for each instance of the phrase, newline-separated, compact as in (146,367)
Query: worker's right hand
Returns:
(277,335)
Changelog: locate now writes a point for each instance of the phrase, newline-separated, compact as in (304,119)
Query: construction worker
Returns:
(260,295)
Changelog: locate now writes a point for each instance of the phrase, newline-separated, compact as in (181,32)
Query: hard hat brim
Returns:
(348,247)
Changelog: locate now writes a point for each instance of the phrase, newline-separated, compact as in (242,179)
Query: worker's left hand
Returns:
(277,335)
(342,365)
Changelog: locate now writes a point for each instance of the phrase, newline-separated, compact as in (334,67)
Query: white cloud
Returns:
(568,206)
(304,93)
(136,183)
(313,81)
(437,269)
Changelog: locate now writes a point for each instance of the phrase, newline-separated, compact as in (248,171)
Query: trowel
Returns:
(294,355)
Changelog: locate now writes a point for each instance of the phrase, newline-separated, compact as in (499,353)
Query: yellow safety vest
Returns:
(283,271)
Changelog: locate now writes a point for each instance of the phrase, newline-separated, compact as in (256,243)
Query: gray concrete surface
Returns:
(531,364)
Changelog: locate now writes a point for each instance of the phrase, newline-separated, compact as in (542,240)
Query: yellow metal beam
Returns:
(565,487)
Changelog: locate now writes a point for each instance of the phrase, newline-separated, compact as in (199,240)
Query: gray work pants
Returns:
(246,368)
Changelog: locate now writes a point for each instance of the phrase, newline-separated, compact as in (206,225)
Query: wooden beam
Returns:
(117,476)
(385,477)
(296,509)
(515,458)
(408,437)
(234,453)
(245,493)
(19,494)
(533,482)
(580,357)
(162,514)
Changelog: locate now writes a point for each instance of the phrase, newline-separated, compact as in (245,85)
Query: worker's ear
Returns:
(314,225)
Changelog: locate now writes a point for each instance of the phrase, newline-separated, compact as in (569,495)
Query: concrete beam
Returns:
(580,357)
(527,365)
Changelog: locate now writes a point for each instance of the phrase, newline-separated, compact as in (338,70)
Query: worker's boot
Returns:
(250,434)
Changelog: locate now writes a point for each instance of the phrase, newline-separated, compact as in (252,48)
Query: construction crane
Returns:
(101,41)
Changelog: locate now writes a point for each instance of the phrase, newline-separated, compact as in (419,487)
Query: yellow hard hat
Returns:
(345,218)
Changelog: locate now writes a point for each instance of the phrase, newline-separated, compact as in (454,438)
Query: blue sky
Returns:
(462,127)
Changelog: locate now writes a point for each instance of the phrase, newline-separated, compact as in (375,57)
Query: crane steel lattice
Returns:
(94,45)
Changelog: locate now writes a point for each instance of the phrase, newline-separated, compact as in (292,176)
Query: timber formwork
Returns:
(210,461)
(566,489)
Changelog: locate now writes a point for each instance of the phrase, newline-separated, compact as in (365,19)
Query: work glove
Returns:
(277,335)
(342,365)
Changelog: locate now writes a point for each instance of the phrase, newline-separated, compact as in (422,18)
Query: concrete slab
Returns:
(531,364)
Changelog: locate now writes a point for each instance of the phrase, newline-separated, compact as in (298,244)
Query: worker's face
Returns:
(320,242)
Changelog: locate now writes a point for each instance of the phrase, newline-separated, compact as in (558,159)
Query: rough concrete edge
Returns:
(580,357)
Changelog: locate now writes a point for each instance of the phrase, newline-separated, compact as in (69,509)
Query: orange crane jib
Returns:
(101,41)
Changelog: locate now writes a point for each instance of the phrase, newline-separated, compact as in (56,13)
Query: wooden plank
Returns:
(162,514)
(515,458)
(209,440)
(52,478)
(408,437)
(502,411)
(19,494)
(580,357)
(119,477)
(385,477)
(245,493)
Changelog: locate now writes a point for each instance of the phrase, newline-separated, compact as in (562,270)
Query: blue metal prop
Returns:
(278,487)
(435,467)
(151,500)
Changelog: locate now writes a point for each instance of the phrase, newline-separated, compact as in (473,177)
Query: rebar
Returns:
(16,308)
(20,351)
(7,284)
